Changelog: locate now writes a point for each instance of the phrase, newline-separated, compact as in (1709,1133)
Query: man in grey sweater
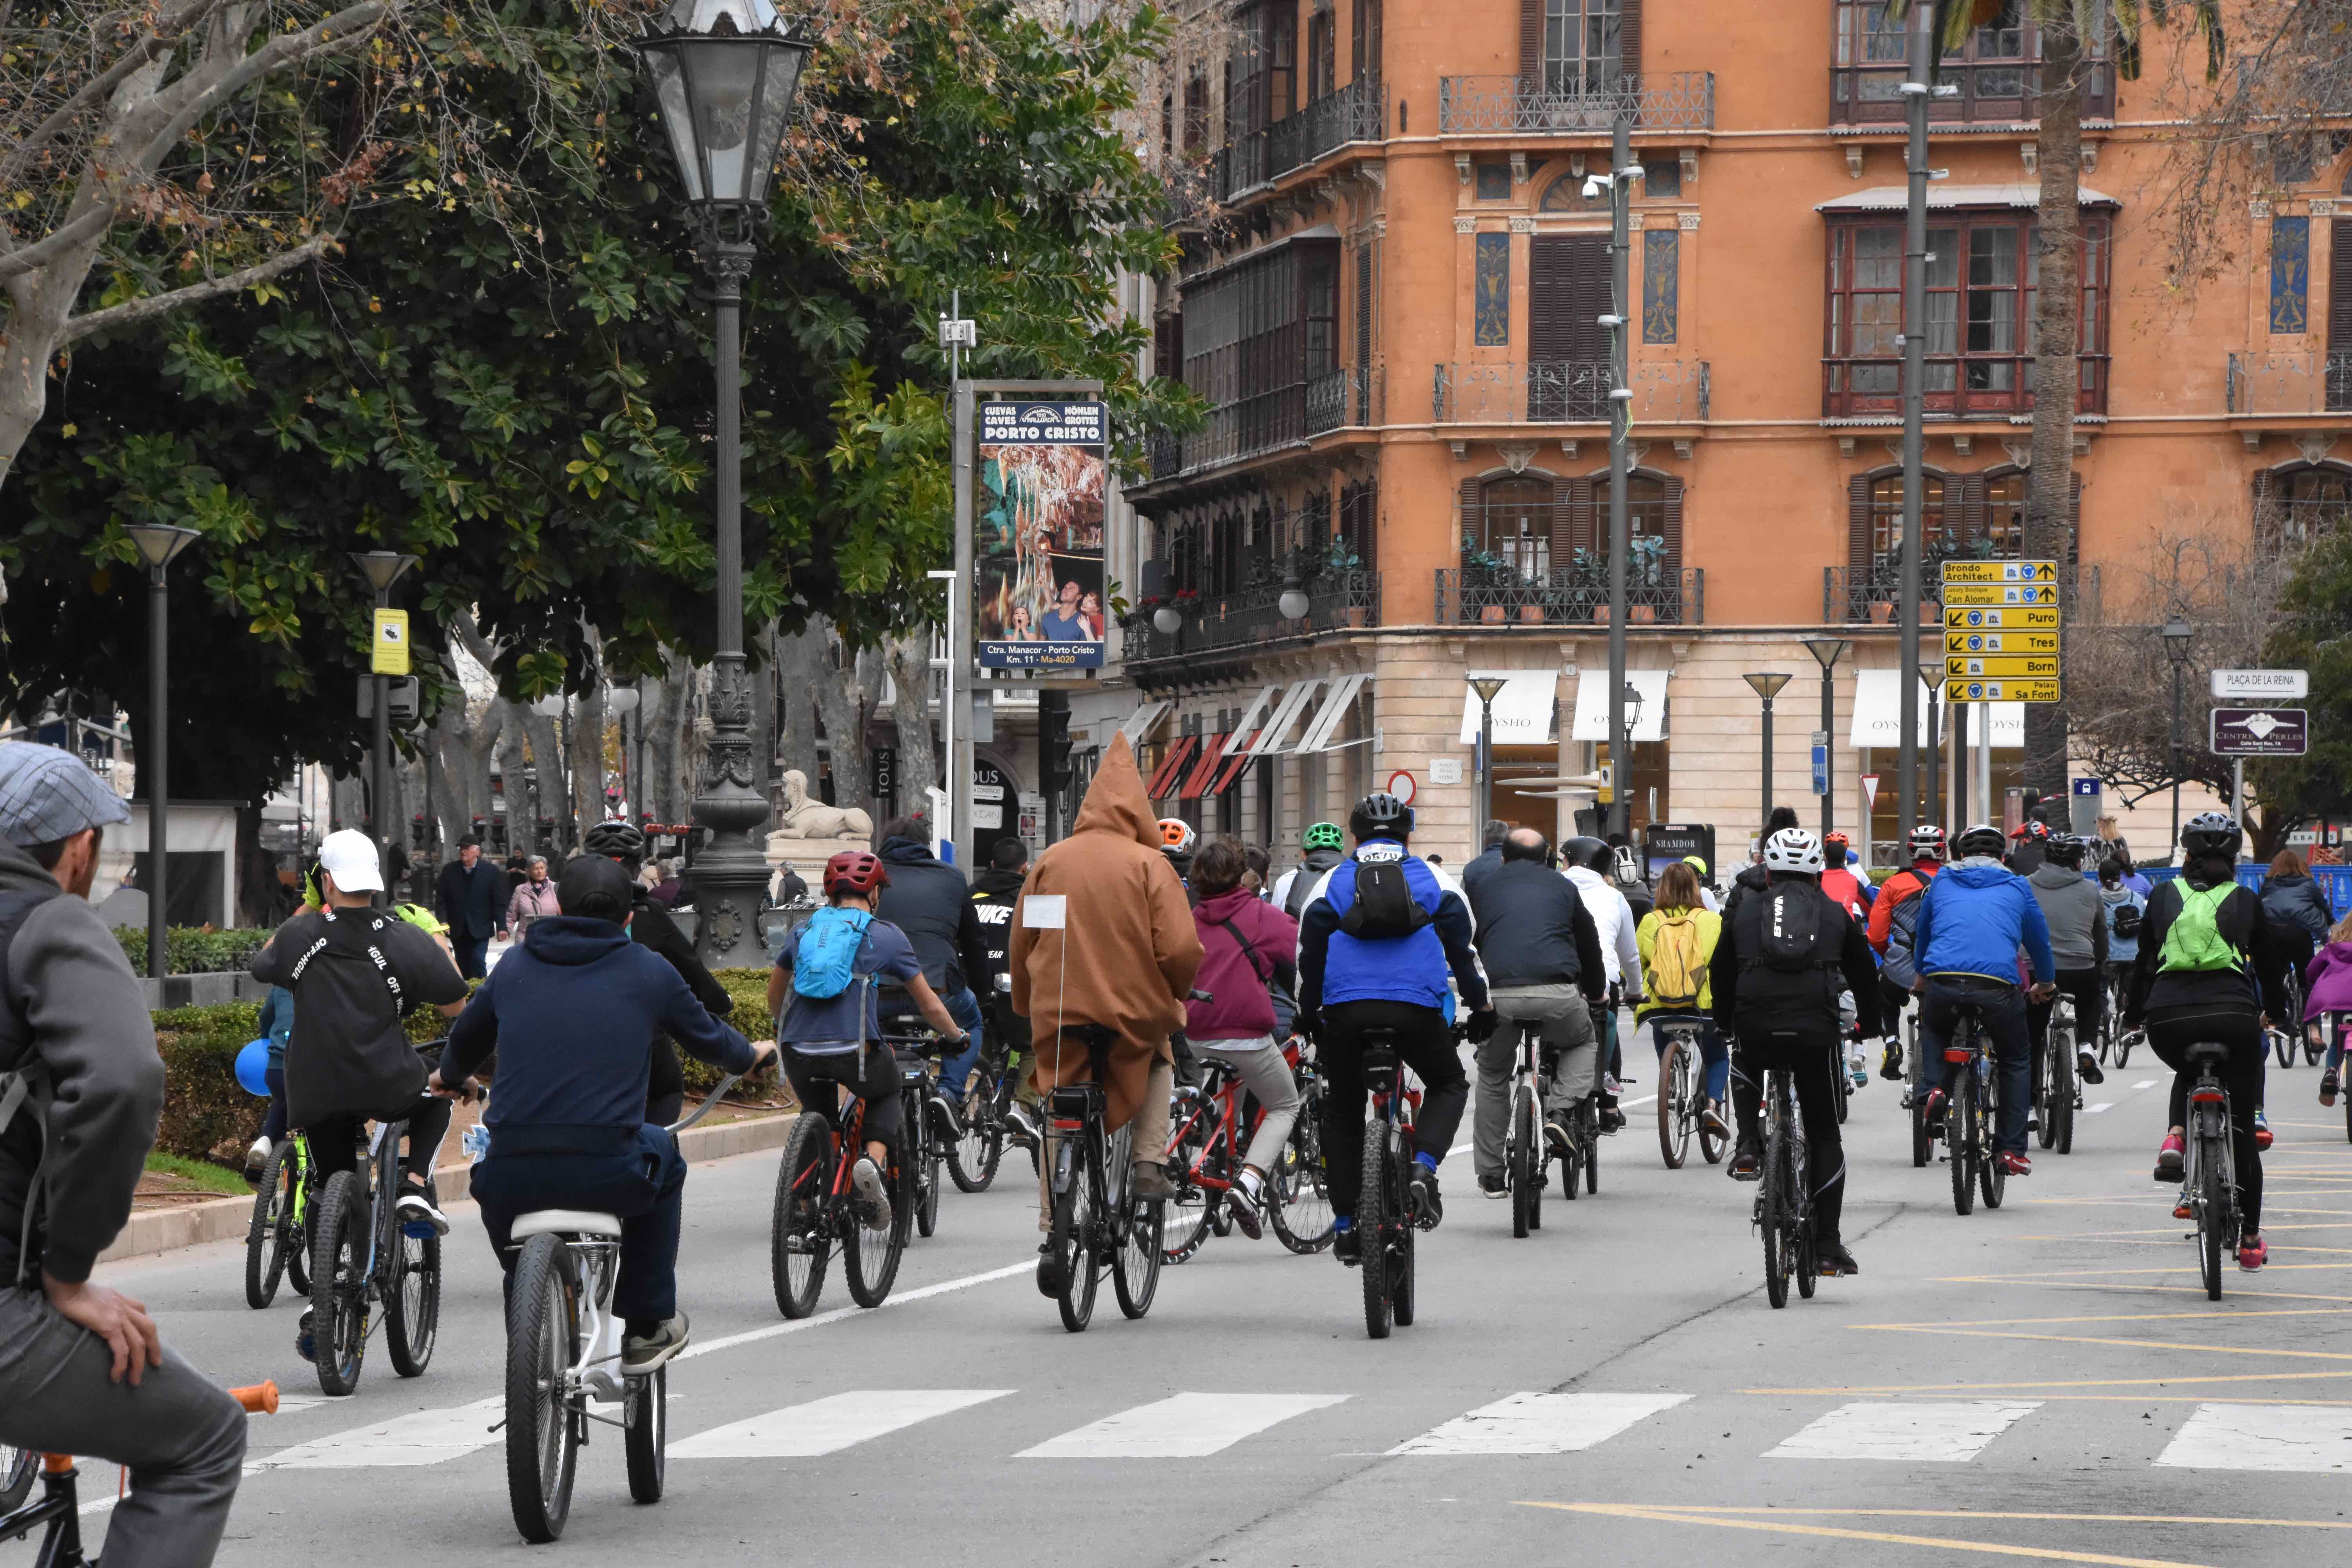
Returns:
(2078,939)
(82,1369)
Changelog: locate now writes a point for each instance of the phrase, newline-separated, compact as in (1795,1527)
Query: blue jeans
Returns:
(645,1185)
(964,1008)
(473,955)
(2002,1008)
(1711,1055)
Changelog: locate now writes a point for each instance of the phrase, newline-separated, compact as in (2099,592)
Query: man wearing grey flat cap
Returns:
(82,1369)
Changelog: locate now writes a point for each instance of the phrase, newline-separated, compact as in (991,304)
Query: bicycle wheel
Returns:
(266,1235)
(1771,1199)
(2282,1047)
(1676,1109)
(1185,1223)
(339,1283)
(799,1239)
(1401,1257)
(1961,1139)
(1923,1136)
(2122,1047)
(17,1468)
(1526,1160)
(2212,1210)
(412,1315)
(645,1436)
(1301,1209)
(870,1254)
(2045,1072)
(1800,1204)
(923,1176)
(1378,1213)
(542,1429)
(303,1195)
(1992,1176)
(1071,1241)
(2063,1092)
(972,1159)
(1134,1278)
(1592,1156)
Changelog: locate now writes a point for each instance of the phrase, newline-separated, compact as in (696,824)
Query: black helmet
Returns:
(1380,815)
(615,841)
(2063,850)
(1591,854)
(2212,833)
(1982,839)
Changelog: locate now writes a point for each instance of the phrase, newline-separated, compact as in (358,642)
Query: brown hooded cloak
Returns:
(1128,951)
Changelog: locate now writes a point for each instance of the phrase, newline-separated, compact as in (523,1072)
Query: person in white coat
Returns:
(1590,864)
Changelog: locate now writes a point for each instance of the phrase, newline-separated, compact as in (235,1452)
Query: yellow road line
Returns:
(2045,1554)
(2162,1289)
(1973,1513)
(2172,1230)
(2030,1276)
(2116,1318)
(2299,1375)
(2126,1344)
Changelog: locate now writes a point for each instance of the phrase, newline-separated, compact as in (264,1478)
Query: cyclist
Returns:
(2327,988)
(1706,894)
(1323,845)
(1374,949)
(2029,844)
(572,1011)
(2125,910)
(2077,917)
(82,1368)
(1972,921)
(2207,971)
(1247,947)
(1178,839)
(1488,858)
(1678,940)
(931,903)
(1590,866)
(650,926)
(1542,957)
(1927,846)
(2297,911)
(996,889)
(1775,975)
(1854,893)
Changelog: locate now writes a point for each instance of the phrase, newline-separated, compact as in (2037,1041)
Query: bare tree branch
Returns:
(153,305)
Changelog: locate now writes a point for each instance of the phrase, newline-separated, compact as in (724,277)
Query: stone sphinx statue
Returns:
(804,818)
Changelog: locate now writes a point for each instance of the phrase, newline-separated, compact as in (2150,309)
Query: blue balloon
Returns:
(252,1062)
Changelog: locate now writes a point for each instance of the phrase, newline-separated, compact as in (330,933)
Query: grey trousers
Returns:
(181,1437)
(1264,1074)
(1567,1023)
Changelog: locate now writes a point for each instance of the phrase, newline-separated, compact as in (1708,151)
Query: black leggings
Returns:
(2088,988)
(1814,1060)
(335,1140)
(2171,1032)
(871,1074)
(1424,1044)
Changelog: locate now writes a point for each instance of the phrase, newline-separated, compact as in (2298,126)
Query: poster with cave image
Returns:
(1037,536)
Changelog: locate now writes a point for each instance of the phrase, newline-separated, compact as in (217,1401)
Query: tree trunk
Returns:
(797,669)
(840,704)
(442,749)
(549,802)
(522,832)
(2057,371)
(910,673)
(585,734)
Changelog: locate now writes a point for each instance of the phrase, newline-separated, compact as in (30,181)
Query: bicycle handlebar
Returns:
(261,1399)
(713,1098)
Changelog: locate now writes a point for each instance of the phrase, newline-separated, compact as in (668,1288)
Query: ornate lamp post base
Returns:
(730,873)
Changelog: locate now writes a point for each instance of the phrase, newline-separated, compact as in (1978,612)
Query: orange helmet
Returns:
(857,871)
(1176,835)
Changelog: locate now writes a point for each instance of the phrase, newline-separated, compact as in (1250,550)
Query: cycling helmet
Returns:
(420,917)
(1698,863)
(1835,847)
(2064,849)
(615,841)
(1380,815)
(1590,854)
(2211,833)
(1927,842)
(1176,836)
(1793,849)
(2036,829)
(1983,839)
(1324,836)
(854,871)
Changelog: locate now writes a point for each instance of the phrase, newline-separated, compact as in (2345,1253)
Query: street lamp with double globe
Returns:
(2176,633)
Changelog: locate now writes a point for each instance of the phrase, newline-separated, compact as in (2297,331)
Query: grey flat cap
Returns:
(46,794)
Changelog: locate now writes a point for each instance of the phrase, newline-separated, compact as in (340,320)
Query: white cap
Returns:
(350,858)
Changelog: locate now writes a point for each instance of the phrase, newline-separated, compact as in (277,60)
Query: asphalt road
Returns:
(2046,1380)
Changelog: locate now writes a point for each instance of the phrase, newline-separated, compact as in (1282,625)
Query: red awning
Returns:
(1237,757)
(1164,776)
(1205,770)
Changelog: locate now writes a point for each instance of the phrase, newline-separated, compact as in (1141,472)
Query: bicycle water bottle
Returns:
(476,1142)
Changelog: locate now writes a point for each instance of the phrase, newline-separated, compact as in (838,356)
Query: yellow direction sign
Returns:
(391,643)
(1988,594)
(2001,572)
(2002,691)
(1958,619)
(2004,667)
(1972,644)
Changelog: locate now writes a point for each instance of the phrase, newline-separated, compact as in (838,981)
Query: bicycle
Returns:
(928,1149)
(988,1126)
(1970,1115)
(1784,1203)
(564,1350)
(57,1514)
(1681,1096)
(1525,1153)
(1385,1216)
(814,1210)
(2282,1038)
(277,1242)
(1914,1095)
(2333,1036)
(1204,1159)
(1097,1226)
(2055,1092)
(2209,1174)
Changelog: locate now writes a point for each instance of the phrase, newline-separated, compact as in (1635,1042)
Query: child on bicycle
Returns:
(2327,988)
(1248,947)
(830,1024)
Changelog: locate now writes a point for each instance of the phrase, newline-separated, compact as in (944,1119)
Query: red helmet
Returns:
(855,871)
(1838,838)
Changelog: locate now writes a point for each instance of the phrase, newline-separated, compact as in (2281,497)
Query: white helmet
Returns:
(1793,849)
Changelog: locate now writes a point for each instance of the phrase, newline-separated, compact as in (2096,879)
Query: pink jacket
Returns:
(2327,983)
(531,900)
(1242,1010)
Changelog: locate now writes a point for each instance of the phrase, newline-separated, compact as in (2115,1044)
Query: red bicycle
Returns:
(1204,1162)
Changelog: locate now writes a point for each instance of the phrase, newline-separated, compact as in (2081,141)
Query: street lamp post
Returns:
(1485,686)
(1624,171)
(381,568)
(1931,793)
(1826,652)
(2176,633)
(158,543)
(1766,685)
(724,73)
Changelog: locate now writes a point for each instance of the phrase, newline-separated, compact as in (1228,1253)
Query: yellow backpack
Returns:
(1678,964)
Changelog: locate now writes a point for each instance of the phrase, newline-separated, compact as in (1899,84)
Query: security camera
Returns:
(1593,186)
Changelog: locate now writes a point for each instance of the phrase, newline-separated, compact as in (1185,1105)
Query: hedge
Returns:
(196,949)
(207,1114)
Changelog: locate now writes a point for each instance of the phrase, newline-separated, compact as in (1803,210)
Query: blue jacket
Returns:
(1974,917)
(571,1014)
(277,1021)
(1334,967)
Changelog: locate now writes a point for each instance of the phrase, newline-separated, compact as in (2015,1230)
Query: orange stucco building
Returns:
(1388,295)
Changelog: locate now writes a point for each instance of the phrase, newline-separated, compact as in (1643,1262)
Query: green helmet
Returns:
(1324,836)
(420,917)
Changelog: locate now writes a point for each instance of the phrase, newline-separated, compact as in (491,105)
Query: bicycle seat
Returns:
(566,1222)
(2208,1053)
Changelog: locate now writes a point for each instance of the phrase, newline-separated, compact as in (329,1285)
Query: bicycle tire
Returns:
(1770,1200)
(1184,1224)
(973,1158)
(645,1436)
(297,1233)
(412,1306)
(266,1235)
(17,1468)
(1402,1302)
(1800,1205)
(338,1293)
(1071,1241)
(2212,1210)
(1922,1137)
(1992,1176)
(870,1255)
(1676,1112)
(923,1176)
(1301,1210)
(1135,1278)
(1373,1222)
(2281,1047)
(1525,1163)
(2062,1094)
(1961,1139)
(1592,1156)
(803,1189)
(2045,1091)
(542,1431)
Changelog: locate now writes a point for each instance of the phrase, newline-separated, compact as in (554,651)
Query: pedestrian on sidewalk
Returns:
(472,899)
(534,897)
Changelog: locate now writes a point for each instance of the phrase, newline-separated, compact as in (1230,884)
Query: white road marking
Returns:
(1630,1104)
(2145,1083)
(899,1299)
(1903,1431)
(829,1425)
(2262,1438)
(422,1438)
(1185,1427)
(2095,1110)
(1540,1424)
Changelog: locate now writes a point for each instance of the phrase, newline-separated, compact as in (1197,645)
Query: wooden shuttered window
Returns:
(1531,33)
(1470,537)
(1563,521)
(1670,519)
(1363,309)
(1629,37)
(1364,40)
(1857,524)
(2339,285)
(1568,293)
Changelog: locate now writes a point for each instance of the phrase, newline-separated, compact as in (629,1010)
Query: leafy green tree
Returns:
(2315,634)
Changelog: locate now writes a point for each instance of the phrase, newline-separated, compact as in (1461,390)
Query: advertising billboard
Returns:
(1039,602)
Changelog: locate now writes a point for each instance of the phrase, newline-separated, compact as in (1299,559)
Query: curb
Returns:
(225,1219)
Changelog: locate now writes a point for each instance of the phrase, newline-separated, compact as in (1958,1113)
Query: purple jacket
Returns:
(2327,983)
(1242,1010)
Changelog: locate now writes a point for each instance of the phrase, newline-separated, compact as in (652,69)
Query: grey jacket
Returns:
(87,1024)
(2077,917)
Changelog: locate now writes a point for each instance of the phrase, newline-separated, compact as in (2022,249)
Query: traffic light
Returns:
(1053,738)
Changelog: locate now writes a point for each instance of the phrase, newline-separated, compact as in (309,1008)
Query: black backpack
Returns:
(1384,906)
(2127,918)
(1792,921)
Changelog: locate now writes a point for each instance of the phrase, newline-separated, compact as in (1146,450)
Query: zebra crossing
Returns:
(1191,1426)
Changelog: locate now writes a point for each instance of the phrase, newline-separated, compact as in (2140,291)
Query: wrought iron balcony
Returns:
(1565,392)
(1336,600)
(1991,92)
(2309,382)
(1344,397)
(1655,595)
(1528,106)
(1870,596)
(1356,113)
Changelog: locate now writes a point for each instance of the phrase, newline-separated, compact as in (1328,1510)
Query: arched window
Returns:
(1887,515)
(1512,522)
(2302,502)
(1995,510)
(1566,194)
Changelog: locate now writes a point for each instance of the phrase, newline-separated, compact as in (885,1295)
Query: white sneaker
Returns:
(256,1158)
(873,1200)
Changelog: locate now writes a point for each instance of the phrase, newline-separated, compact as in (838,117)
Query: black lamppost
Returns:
(1486,686)
(157,543)
(1826,652)
(381,568)
(2176,633)
(1766,685)
(1931,789)
(1621,774)
(724,73)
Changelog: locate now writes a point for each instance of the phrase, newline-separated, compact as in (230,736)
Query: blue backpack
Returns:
(825,959)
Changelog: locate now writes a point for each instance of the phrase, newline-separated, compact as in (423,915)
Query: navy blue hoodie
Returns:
(571,1013)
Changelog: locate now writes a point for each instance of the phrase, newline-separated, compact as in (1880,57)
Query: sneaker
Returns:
(951,1125)
(416,1208)
(2170,1158)
(306,1341)
(1562,1140)
(641,1353)
(1148,1180)
(2262,1131)
(1833,1260)
(257,1157)
(1612,1119)
(2016,1164)
(1347,1246)
(1241,1206)
(1710,1120)
(1858,1073)
(1747,1163)
(2087,1067)
(2252,1253)
(1020,1127)
(1890,1066)
(1428,1208)
(1933,1113)
(1493,1186)
(872,1199)
(2329,1086)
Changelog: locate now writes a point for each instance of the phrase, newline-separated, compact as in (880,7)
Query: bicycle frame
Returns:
(1224,1104)
(59,1506)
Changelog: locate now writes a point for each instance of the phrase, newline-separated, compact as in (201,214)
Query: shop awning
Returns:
(1141,722)
(1523,709)
(1254,713)
(1237,757)
(1204,768)
(1271,738)
(1326,718)
(1943,197)
(1593,705)
(1172,767)
(1878,712)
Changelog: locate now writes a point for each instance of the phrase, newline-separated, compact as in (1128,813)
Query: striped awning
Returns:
(1172,767)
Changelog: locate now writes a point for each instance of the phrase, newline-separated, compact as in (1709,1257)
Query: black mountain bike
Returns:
(2055,1093)
(2210,1176)
(926,1148)
(986,1109)
(1784,1203)
(1971,1111)
(1384,1207)
(1096,1227)
(362,1252)
(2284,1034)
